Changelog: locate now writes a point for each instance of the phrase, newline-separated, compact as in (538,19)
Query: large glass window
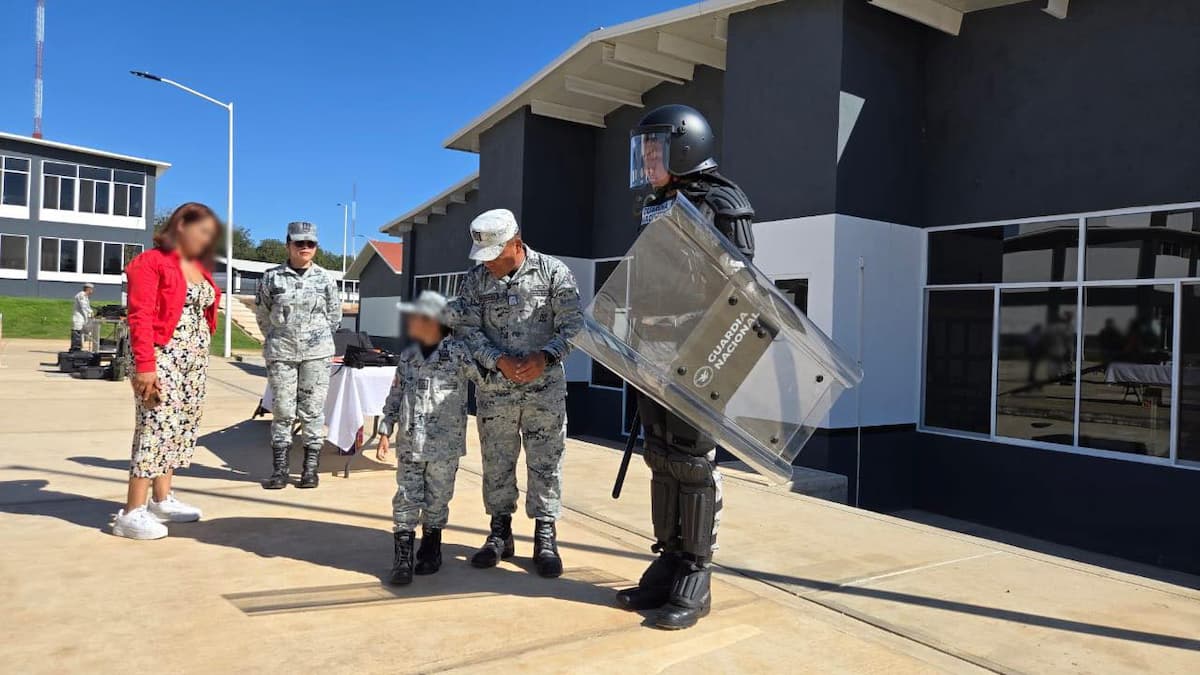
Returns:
(68,255)
(75,256)
(1188,440)
(113,261)
(13,252)
(49,255)
(1125,400)
(93,256)
(958,360)
(102,191)
(1027,252)
(1086,359)
(1035,368)
(14,181)
(446,284)
(1150,245)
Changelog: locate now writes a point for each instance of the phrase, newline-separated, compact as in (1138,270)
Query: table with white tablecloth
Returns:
(354,394)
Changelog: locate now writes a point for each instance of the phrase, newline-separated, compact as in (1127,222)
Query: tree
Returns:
(243,244)
(271,250)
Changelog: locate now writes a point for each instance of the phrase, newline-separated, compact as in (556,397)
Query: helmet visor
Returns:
(649,159)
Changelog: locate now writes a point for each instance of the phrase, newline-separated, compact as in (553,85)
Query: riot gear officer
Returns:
(672,153)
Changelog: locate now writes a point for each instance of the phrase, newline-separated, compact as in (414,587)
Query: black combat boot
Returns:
(690,598)
(545,549)
(402,563)
(499,544)
(309,478)
(279,476)
(429,556)
(654,588)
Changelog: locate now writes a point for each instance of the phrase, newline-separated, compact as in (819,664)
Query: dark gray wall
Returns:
(883,59)
(615,220)
(35,227)
(559,181)
(502,164)
(442,245)
(377,280)
(1029,115)
(781,106)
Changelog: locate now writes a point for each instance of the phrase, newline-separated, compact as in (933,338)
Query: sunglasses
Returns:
(304,244)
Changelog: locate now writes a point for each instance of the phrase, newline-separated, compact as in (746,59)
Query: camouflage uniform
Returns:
(536,308)
(428,406)
(298,313)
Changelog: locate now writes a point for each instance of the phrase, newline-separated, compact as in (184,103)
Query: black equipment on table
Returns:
(344,338)
(359,357)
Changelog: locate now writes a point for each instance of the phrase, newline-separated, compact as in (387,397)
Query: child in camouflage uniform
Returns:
(427,408)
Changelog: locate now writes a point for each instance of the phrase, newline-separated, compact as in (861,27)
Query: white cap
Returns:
(429,303)
(490,231)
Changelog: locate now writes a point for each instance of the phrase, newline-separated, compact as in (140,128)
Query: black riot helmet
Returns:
(672,139)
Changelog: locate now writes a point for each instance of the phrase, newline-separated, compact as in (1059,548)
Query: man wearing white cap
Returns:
(517,311)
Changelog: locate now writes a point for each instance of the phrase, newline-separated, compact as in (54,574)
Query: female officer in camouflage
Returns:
(298,309)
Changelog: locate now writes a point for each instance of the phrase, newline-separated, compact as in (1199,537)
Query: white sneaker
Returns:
(171,510)
(138,524)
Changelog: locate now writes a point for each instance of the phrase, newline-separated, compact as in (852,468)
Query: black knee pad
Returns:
(664,506)
(697,513)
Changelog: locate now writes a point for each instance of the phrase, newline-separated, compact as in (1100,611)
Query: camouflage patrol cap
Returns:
(490,231)
(301,231)
(429,303)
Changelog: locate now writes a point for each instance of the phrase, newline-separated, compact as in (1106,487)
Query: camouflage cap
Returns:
(429,303)
(490,231)
(301,231)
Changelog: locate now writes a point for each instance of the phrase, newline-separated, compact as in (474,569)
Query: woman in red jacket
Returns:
(172,315)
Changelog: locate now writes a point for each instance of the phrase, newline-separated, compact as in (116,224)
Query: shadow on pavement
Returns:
(194,471)
(365,550)
(1012,616)
(30,497)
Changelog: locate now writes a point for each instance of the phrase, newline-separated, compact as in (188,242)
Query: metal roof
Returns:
(612,67)
(159,167)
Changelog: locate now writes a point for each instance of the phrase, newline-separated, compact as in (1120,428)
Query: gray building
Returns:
(379,273)
(993,203)
(71,215)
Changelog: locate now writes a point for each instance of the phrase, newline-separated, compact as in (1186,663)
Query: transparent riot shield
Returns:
(686,319)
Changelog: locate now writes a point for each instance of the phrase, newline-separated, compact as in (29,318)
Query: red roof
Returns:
(392,253)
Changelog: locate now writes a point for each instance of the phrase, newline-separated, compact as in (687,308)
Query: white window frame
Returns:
(78,275)
(14,210)
(444,282)
(16,274)
(1081,283)
(77,217)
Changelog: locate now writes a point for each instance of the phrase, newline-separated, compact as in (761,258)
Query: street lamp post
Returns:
(345,224)
(229,207)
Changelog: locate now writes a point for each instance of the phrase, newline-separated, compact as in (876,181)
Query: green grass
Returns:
(50,319)
(241,339)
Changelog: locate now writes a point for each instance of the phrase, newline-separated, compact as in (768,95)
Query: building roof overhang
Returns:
(947,15)
(613,67)
(455,194)
(159,167)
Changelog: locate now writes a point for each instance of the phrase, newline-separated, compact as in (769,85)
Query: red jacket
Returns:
(157,290)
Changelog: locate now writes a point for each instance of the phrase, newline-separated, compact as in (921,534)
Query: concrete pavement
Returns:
(289,580)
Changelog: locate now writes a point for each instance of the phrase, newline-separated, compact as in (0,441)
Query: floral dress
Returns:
(165,436)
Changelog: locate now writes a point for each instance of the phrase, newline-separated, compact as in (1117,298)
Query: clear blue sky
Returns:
(326,92)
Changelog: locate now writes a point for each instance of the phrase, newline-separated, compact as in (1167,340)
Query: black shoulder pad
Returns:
(729,201)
